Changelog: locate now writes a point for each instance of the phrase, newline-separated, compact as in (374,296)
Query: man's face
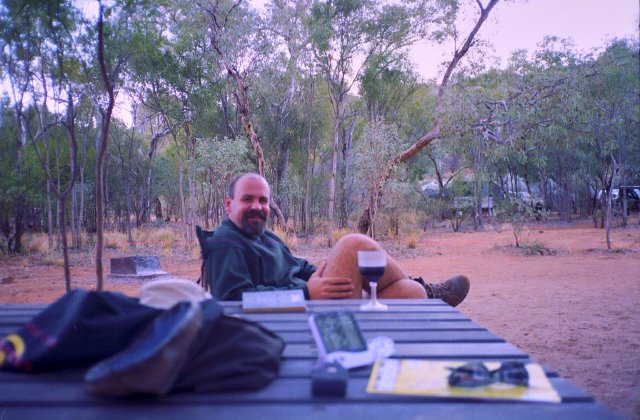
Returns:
(249,207)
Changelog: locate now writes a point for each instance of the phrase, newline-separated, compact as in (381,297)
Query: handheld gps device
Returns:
(339,339)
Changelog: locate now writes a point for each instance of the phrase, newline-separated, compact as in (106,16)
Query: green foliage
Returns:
(218,161)
(552,123)
(537,248)
(378,143)
(386,84)
(516,213)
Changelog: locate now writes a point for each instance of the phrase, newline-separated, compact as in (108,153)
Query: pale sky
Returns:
(520,24)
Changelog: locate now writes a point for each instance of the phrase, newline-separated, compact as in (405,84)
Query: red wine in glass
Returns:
(371,265)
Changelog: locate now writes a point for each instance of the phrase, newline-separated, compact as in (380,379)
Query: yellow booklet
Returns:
(431,378)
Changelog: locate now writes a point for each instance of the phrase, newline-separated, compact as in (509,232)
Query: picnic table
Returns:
(422,329)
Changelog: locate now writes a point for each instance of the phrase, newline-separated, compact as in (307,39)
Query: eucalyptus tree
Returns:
(386,85)
(379,142)
(128,152)
(346,35)
(466,128)
(121,30)
(179,86)
(239,38)
(11,182)
(549,110)
(609,105)
(218,161)
(448,13)
(38,49)
(279,98)
(618,74)
(25,29)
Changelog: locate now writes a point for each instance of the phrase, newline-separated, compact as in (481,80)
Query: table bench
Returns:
(425,329)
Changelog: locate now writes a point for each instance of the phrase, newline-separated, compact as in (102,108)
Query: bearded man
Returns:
(245,256)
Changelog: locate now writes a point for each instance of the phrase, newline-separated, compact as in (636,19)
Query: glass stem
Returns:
(374,293)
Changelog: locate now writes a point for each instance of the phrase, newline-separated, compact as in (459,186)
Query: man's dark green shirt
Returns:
(238,262)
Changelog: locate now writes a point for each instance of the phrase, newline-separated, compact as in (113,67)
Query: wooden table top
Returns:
(425,329)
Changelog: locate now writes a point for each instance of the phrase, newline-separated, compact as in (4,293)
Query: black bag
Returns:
(84,327)
(78,329)
(231,354)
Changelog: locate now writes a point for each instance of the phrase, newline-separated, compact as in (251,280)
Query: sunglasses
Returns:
(476,374)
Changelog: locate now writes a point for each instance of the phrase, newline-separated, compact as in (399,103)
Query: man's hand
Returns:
(321,287)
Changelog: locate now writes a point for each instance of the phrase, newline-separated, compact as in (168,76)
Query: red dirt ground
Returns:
(575,309)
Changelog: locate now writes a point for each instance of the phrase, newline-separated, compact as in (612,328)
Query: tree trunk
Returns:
(623,196)
(192,204)
(49,209)
(18,207)
(543,186)
(103,143)
(282,177)
(127,191)
(614,169)
(332,177)
(82,186)
(347,147)
(477,203)
(183,207)
(342,168)
(63,235)
(57,189)
(306,210)
(75,242)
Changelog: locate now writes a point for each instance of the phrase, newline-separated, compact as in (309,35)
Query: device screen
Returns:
(340,332)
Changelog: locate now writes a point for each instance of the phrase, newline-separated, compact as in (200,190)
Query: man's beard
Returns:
(254,227)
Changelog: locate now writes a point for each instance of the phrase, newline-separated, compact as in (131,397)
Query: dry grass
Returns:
(338,234)
(287,236)
(116,240)
(54,260)
(165,238)
(39,244)
(319,241)
(195,251)
(412,241)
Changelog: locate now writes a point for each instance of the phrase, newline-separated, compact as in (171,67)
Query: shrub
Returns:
(412,241)
(39,244)
(54,260)
(116,240)
(319,240)
(338,234)
(164,237)
(537,248)
(289,238)
(516,213)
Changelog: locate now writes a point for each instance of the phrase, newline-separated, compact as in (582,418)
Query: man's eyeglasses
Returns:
(476,374)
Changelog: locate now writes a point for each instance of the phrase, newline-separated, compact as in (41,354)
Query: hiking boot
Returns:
(452,291)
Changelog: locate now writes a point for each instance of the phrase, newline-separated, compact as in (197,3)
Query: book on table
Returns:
(434,378)
(274,301)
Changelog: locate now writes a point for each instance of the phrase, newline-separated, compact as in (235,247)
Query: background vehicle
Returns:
(615,193)
(632,194)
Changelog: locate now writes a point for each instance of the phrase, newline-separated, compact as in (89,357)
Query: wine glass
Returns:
(371,265)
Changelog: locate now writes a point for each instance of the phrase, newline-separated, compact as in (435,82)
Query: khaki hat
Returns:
(166,292)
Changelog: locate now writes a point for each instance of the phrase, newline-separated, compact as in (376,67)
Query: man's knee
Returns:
(342,259)
(357,242)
